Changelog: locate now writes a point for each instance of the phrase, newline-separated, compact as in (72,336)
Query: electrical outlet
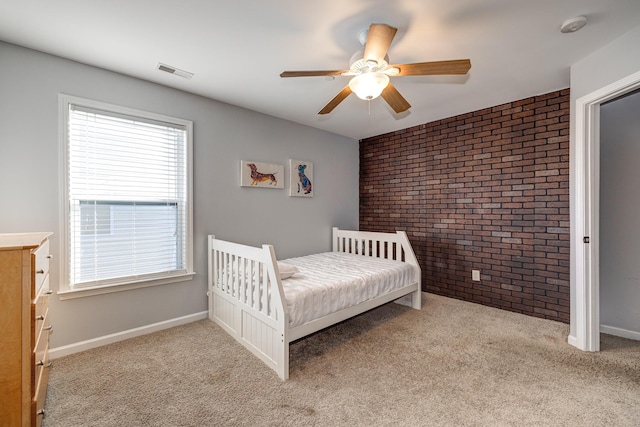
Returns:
(475,275)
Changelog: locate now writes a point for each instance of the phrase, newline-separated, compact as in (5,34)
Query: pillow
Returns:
(286,270)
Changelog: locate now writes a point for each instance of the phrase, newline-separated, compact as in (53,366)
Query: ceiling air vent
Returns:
(173,70)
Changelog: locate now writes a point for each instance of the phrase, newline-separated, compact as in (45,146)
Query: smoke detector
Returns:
(572,25)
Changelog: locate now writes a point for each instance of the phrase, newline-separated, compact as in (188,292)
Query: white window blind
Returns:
(128,212)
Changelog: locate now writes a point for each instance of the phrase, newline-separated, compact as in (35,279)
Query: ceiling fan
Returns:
(371,71)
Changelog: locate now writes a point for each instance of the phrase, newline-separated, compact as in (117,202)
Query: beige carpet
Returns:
(452,363)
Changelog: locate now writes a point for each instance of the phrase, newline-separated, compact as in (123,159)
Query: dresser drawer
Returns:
(40,353)
(41,267)
(40,309)
(40,390)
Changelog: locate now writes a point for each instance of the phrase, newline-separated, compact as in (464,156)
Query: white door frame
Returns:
(586,221)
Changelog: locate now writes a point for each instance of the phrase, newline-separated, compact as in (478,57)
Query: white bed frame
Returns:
(249,302)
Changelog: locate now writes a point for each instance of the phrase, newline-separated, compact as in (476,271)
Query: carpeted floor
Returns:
(452,363)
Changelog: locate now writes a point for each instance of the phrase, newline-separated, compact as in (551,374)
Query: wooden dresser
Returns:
(24,327)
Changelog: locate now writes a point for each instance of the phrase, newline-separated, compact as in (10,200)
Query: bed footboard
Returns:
(247,301)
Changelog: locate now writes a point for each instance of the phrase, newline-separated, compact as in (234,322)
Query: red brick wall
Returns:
(488,191)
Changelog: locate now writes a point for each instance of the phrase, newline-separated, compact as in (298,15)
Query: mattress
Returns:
(332,281)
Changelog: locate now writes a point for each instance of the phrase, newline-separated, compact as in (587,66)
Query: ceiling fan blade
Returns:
(458,66)
(378,41)
(337,100)
(394,99)
(312,73)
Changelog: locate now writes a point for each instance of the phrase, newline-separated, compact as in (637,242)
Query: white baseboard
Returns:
(66,350)
(572,340)
(619,332)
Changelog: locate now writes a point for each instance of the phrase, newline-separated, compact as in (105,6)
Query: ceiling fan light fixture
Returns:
(368,86)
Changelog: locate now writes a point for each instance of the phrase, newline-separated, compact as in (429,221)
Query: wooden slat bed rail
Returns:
(374,244)
(246,274)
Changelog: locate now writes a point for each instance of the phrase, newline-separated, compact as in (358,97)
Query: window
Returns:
(127,197)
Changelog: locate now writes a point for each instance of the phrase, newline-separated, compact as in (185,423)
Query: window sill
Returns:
(108,289)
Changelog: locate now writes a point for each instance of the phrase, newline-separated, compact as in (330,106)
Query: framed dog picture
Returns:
(263,175)
(301,183)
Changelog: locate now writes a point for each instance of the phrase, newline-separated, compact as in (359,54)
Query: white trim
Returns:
(66,350)
(101,290)
(619,332)
(586,221)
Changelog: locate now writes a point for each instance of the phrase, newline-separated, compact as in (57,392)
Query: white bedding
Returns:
(331,281)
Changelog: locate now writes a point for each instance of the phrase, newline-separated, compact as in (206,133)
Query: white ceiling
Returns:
(237,49)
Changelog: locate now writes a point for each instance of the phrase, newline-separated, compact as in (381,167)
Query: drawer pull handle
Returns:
(40,317)
(49,292)
(40,271)
(40,363)
(48,328)
(49,256)
(40,412)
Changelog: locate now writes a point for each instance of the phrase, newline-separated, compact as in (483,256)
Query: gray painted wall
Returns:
(619,207)
(603,67)
(30,82)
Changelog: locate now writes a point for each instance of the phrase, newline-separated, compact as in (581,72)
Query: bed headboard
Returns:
(394,246)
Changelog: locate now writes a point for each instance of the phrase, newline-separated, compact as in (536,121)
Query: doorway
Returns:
(619,243)
(585,226)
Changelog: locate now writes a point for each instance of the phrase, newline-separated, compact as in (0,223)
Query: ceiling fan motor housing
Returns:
(358,58)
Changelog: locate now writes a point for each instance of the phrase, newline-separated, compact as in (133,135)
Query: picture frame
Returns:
(261,174)
(301,182)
